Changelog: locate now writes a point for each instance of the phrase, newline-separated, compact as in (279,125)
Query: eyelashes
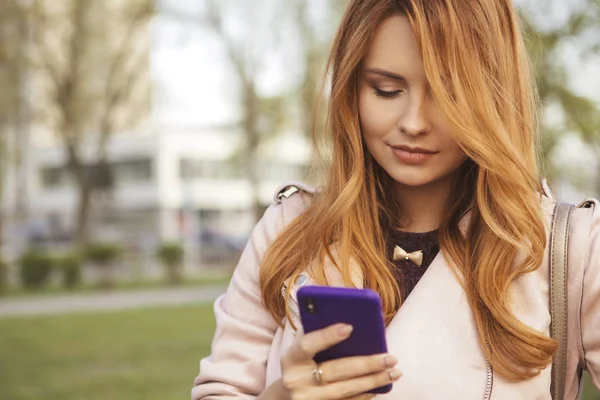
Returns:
(388,95)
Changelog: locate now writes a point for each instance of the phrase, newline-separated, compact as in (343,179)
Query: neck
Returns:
(423,207)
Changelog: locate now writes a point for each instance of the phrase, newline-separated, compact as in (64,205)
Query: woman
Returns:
(434,148)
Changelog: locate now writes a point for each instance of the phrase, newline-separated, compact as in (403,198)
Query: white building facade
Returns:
(170,185)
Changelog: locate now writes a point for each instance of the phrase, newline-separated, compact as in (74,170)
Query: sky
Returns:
(192,76)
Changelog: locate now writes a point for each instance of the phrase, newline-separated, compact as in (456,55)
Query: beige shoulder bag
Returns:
(559,243)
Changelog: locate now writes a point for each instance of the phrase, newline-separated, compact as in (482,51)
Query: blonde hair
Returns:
(480,76)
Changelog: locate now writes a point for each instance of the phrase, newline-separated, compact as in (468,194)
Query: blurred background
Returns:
(140,140)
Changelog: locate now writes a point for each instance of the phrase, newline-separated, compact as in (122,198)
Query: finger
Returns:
(359,386)
(312,343)
(352,367)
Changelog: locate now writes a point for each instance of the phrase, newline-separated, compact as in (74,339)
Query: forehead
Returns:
(394,48)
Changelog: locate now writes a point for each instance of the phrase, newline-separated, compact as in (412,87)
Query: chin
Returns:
(412,178)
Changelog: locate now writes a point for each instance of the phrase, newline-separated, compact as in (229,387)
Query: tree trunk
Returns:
(84,191)
(83,212)
(1,226)
(106,271)
(174,272)
(3,173)
(22,123)
(253,141)
(254,179)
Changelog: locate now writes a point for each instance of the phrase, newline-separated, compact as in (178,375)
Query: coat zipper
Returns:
(489,370)
(292,305)
(490,381)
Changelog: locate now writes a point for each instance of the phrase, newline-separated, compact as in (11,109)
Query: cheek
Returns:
(451,145)
(455,160)
(443,132)
(375,116)
(453,154)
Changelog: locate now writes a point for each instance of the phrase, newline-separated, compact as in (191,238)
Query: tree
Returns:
(580,114)
(14,37)
(315,37)
(249,46)
(92,82)
(315,41)
(246,48)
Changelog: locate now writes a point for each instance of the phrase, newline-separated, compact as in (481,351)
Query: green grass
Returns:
(145,355)
(130,355)
(589,391)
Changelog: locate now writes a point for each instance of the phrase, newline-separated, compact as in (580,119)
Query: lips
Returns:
(412,155)
(414,150)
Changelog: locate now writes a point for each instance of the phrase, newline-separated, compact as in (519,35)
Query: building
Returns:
(169,185)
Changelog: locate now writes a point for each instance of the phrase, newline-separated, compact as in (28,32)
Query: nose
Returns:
(414,121)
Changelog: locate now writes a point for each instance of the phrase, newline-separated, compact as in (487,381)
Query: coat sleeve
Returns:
(590,303)
(236,367)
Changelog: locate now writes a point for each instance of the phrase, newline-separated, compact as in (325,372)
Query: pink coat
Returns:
(433,335)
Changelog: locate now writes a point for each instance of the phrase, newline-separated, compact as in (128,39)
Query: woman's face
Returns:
(404,131)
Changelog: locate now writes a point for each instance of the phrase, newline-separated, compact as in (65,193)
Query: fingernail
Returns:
(344,330)
(394,374)
(390,361)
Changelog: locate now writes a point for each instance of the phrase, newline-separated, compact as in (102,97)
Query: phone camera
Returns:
(311,306)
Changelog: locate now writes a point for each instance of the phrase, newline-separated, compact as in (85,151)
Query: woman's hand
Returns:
(345,378)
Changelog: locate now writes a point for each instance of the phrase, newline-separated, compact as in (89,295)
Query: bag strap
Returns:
(559,245)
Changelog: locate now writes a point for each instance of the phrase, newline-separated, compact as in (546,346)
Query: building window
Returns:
(139,170)
(280,172)
(209,169)
(133,170)
(54,177)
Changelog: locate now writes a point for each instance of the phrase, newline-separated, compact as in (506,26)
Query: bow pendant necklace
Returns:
(416,257)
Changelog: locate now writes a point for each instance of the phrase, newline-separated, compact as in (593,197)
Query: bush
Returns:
(70,268)
(36,267)
(171,256)
(170,253)
(103,253)
(103,256)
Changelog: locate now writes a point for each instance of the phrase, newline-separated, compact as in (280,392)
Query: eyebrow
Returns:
(387,74)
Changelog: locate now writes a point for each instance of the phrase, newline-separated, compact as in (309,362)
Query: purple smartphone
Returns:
(322,306)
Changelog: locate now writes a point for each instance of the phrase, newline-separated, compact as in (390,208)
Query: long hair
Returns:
(480,77)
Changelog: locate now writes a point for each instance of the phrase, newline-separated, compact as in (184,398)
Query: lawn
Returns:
(133,355)
(589,391)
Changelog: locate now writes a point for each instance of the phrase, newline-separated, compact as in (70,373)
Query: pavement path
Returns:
(111,301)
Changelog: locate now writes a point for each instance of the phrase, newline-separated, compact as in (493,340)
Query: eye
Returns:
(388,95)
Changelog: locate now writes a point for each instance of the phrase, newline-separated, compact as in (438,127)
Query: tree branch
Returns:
(121,80)
(40,28)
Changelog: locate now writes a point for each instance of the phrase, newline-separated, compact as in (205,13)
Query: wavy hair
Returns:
(480,76)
